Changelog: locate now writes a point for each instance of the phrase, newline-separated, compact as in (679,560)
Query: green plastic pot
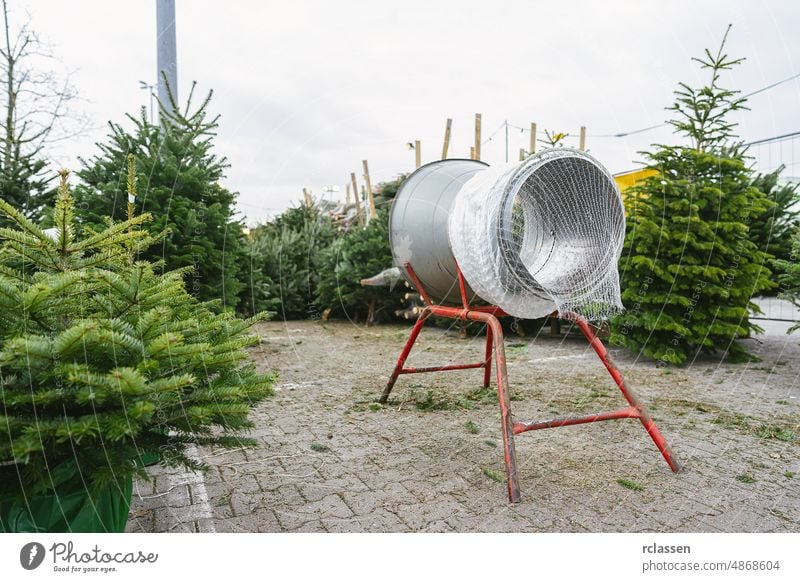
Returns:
(68,507)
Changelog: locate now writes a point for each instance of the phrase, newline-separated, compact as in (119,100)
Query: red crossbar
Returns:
(442,368)
(495,345)
(627,412)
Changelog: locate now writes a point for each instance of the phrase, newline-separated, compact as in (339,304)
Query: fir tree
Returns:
(361,253)
(388,190)
(703,115)
(790,276)
(103,358)
(284,263)
(35,112)
(22,184)
(689,266)
(774,230)
(182,189)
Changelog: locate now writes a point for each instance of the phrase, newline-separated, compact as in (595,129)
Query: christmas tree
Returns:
(104,358)
(774,230)
(688,266)
(790,277)
(361,253)
(284,263)
(182,189)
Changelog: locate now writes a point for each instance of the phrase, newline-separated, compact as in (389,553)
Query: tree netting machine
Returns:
(528,240)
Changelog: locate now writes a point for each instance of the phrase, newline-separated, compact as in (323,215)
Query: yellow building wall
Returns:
(626,180)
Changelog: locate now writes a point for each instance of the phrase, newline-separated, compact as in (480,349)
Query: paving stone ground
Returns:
(330,459)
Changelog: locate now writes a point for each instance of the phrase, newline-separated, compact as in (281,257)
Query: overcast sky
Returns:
(307,90)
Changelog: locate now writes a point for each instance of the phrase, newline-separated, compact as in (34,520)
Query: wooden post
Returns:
(355,195)
(521,154)
(471,152)
(306,197)
(477,154)
(347,201)
(533,140)
(417,154)
(582,142)
(446,146)
(373,213)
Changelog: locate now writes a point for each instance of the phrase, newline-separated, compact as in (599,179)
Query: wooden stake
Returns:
(347,202)
(417,153)
(521,154)
(355,195)
(446,146)
(555,326)
(373,213)
(471,152)
(306,197)
(533,140)
(477,155)
(582,145)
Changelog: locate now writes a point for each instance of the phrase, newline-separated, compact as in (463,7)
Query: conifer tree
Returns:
(688,266)
(789,278)
(388,190)
(361,253)
(284,262)
(103,358)
(182,189)
(35,112)
(774,230)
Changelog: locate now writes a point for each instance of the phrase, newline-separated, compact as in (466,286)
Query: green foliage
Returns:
(388,190)
(361,253)
(554,139)
(632,485)
(182,188)
(790,277)
(494,475)
(704,114)
(34,113)
(774,230)
(24,186)
(284,263)
(688,266)
(103,359)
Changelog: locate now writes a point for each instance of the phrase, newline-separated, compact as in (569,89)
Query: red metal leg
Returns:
(487,373)
(401,361)
(630,395)
(495,346)
(507,422)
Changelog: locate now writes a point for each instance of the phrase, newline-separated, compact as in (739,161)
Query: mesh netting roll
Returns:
(541,236)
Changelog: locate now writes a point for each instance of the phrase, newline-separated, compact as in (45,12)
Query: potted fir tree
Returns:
(103,360)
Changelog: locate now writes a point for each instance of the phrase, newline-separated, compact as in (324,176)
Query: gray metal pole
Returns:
(167,51)
(506,140)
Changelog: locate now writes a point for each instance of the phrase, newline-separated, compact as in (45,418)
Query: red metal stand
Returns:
(495,344)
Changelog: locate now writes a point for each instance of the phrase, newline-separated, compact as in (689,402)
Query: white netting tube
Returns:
(542,236)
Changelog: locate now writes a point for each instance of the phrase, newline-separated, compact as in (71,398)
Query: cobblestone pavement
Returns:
(331,459)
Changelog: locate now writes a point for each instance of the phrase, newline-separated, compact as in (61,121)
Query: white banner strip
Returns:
(374,557)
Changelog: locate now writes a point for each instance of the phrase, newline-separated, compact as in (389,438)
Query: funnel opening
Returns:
(560,225)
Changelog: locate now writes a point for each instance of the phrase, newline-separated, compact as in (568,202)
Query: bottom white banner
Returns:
(374,556)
